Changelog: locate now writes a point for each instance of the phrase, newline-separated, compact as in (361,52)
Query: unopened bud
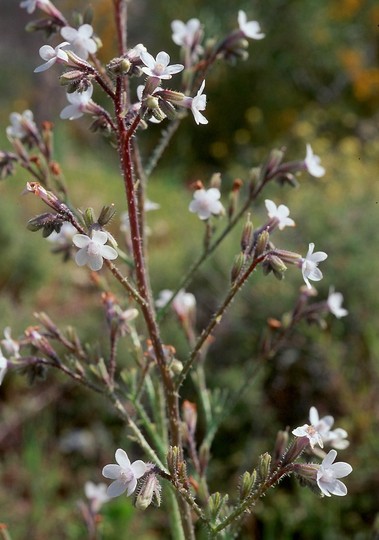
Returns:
(89,217)
(238,264)
(106,214)
(247,483)
(277,265)
(176,366)
(262,243)
(281,444)
(70,77)
(215,504)
(189,412)
(264,465)
(168,109)
(274,160)
(247,235)
(215,181)
(149,490)
(288,256)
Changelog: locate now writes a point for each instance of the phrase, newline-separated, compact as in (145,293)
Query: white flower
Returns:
(310,263)
(337,438)
(334,302)
(125,475)
(10,345)
(186,34)
(280,214)
(135,53)
(311,433)
(3,366)
(64,236)
(92,250)
(183,304)
(250,29)
(328,474)
(312,163)
(160,66)
(80,40)
(79,102)
(97,495)
(198,104)
(206,203)
(21,125)
(31,5)
(51,56)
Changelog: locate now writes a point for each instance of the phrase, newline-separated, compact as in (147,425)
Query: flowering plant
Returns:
(151,400)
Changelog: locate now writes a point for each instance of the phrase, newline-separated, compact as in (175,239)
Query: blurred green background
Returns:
(314,78)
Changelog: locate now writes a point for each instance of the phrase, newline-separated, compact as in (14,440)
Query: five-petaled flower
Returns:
(312,163)
(198,104)
(3,366)
(93,250)
(328,474)
(336,437)
(125,474)
(187,35)
(79,102)
(160,66)
(51,56)
(250,29)
(206,203)
(81,42)
(22,125)
(31,5)
(96,494)
(334,303)
(312,434)
(309,265)
(10,345)
(184,303)
(279,214)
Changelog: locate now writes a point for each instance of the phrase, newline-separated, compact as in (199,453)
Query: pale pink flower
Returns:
(52,56)
(79,102)
(32,5)
(96,494)
(187,35)
(250,29)
(329,473)
(159,67)
(3,366)
(311,433)
(309,265)
(11,346)
(312,163)
(92,250)
(206,203)
(81,42)
(279,214)
(334,302)
(22,125)
(125,474)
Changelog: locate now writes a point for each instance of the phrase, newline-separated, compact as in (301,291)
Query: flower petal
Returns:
(81,240)
(116,488)
(81,257)
(111,471)
(122,458)
(138,468)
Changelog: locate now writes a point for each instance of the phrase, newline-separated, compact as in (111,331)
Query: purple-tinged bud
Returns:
(48,222)
(215,181)
(288,256)
(247,238)
(308,471)
(70,77)
(281,443)
(47,197)
(295,450)
(151,489)
(262,243)
(239,262)
(167,109)
(106,215)
(75,60)
(274,160)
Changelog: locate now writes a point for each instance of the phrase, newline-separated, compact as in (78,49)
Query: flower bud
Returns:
(167,109)
(247,235)
(215,504)
(150,489)
(274,160)
(70,77)
(238,264)
(189,412)
(280,444)
(106,215)
(89,217)
(262,243)
(247,484)
(264,465)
